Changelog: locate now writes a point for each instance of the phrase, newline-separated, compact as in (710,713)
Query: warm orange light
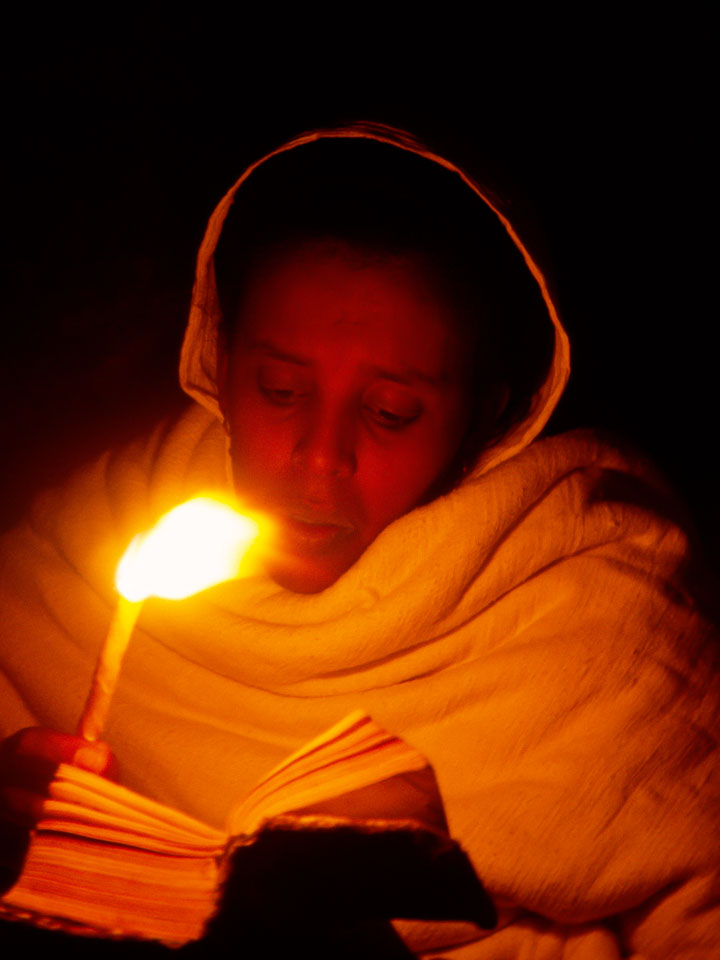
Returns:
(198,544)
(193,547)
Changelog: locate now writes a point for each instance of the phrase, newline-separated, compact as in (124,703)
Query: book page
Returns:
(355,753)
(113,890)
(80,799)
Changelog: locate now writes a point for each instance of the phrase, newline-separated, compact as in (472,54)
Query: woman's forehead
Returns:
(321,286)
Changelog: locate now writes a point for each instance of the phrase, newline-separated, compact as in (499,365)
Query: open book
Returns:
(354,817)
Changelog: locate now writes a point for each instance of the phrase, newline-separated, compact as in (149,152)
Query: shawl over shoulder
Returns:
(532,633)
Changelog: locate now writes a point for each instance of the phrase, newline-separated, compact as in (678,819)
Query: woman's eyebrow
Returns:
(410,375)
(406,376)
(272,350)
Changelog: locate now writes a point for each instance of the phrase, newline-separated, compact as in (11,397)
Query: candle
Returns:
(198,544)
(107,668)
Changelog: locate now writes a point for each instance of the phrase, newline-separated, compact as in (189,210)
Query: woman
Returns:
(513,608)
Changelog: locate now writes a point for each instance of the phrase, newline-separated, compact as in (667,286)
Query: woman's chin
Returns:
(301,576)
(309,558)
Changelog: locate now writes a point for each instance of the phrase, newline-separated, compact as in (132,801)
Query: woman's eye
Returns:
(280,386)
(280,396)
(392,407)
(391,419)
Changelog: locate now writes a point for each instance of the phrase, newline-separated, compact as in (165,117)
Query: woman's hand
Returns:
(28,760)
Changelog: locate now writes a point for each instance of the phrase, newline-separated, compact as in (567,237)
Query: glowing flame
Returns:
(196,545)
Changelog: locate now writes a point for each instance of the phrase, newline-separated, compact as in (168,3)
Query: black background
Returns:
(122,134)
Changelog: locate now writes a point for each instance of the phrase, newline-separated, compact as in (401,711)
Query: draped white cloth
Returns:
(532,633)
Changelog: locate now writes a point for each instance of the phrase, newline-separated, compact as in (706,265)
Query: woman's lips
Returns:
(313,532)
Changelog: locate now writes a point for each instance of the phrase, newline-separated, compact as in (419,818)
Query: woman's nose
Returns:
(326,445)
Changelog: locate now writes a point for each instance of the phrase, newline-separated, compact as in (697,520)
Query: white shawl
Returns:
(531,633)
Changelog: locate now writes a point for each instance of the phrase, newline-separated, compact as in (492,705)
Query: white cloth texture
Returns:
(534,633)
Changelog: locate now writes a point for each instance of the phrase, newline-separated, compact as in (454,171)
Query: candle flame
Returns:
(198,544)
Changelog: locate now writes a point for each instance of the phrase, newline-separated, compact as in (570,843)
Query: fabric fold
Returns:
(533,633)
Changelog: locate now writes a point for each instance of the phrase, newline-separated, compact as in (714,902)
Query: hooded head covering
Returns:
(200,351)
(529,633)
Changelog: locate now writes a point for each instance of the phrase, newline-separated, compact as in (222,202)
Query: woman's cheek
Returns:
(393,481)
(262,441)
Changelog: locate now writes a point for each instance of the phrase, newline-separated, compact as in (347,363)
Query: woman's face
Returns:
(346,397)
